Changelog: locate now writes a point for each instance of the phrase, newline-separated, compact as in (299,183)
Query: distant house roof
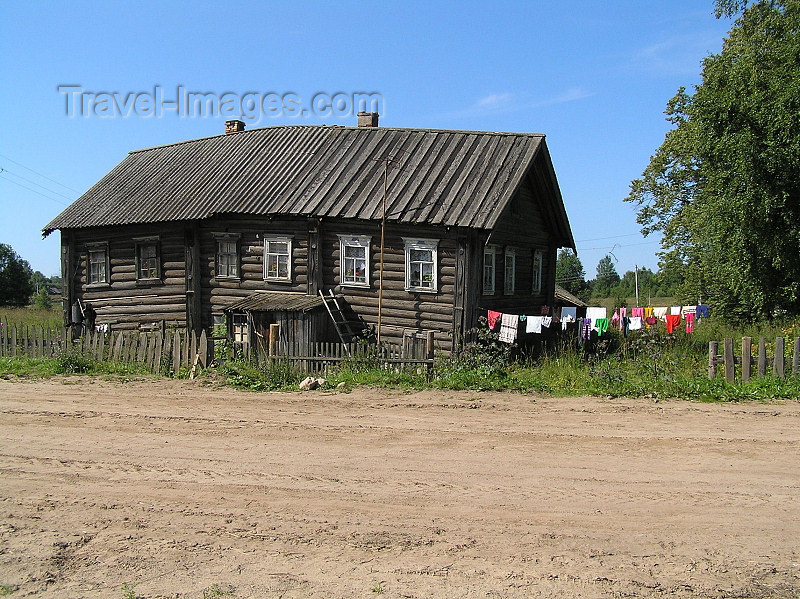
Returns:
(565,297)
(276,301)
(438,177)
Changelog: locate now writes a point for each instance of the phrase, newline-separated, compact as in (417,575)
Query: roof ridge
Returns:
(338,127)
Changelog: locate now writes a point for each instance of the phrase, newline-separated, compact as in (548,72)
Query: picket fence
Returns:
(158,352)
(746,362)
(165,352)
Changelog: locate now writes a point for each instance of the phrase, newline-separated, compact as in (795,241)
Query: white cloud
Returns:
(500,103)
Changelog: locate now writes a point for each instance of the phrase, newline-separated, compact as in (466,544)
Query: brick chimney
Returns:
(234,126)
(368,119)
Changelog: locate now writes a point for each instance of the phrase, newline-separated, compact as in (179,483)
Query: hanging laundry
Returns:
(626,323)
(493,317)
(702,312)
(637,312)
(636,323)
(545,310)
(508,328)
(689,323)
(596,312)
(650,321)
(586,328)
(648,312)
(569,314)
(547,321)
(616,322)
(623,312)
(688,310)
(660,312)
(534,324)
(675,310)
(673,320)
(601,325)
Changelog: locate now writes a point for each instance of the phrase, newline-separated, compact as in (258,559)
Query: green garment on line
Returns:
(601,325)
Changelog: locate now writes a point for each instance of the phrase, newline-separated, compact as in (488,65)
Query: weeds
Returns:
(215,592)
(129,591)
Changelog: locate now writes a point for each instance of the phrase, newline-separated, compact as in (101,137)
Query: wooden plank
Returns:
(133,346)
(99,353)
(14,340)
(203,350)
(747,345)
(779,362)
(142,352)
(117,353)
(730,365)
(192,348)
(151,351)
(185,349)
(176,353)
(159,339)
(796,357)
(762,357)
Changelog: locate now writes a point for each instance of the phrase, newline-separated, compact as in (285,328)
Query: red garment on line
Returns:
(493,317)
(689,323)
(673,320)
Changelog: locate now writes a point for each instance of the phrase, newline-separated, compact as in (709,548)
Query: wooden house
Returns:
(418,228)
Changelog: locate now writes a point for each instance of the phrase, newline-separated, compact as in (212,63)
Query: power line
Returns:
(5,170)
(604,238)
(33,190)
(625,245)
(38,173)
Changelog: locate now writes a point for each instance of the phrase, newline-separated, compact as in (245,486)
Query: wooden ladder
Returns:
(337,316)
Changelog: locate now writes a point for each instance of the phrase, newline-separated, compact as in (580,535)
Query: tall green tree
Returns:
(724,187)
(607,277)
(15,278)
(569,272)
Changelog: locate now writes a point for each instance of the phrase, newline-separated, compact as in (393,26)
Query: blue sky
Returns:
(593,76)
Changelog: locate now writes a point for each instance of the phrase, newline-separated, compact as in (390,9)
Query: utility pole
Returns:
(636,276)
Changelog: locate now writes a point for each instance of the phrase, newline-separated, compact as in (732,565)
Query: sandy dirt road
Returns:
(175,486)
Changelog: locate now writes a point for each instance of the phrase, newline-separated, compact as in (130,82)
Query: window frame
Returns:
(233,238)
(140,243)
(431,245)
(95,248)
(537,271)
(268,239)
(489,250)
(358,241)
(509,283)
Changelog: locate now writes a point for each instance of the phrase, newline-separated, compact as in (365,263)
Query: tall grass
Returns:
(48,319)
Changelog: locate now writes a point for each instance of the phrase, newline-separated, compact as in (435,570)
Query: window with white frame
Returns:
(148,262)
(509,280)
(227,263)
(489,254)
(421,264)
(354,260)
(277,258)
(538,259)
(97,264)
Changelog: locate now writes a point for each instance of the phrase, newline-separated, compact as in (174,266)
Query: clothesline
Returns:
(596,320)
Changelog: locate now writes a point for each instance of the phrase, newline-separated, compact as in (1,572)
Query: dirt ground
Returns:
(172,487)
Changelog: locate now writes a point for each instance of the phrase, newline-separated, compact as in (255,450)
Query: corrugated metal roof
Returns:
(277,301)
(566,296)
(450,178)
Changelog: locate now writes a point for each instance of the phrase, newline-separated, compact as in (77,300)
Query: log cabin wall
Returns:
(219,292)
(522,229)
(123,301)
(402,311)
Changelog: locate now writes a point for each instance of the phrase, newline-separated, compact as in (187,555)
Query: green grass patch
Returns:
(48,319)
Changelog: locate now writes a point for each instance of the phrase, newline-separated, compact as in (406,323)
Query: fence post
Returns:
(730,364)
(747,346)
(778,365)
(762,357)
(796,357)
(203,349)
(712,359)
(176,352)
